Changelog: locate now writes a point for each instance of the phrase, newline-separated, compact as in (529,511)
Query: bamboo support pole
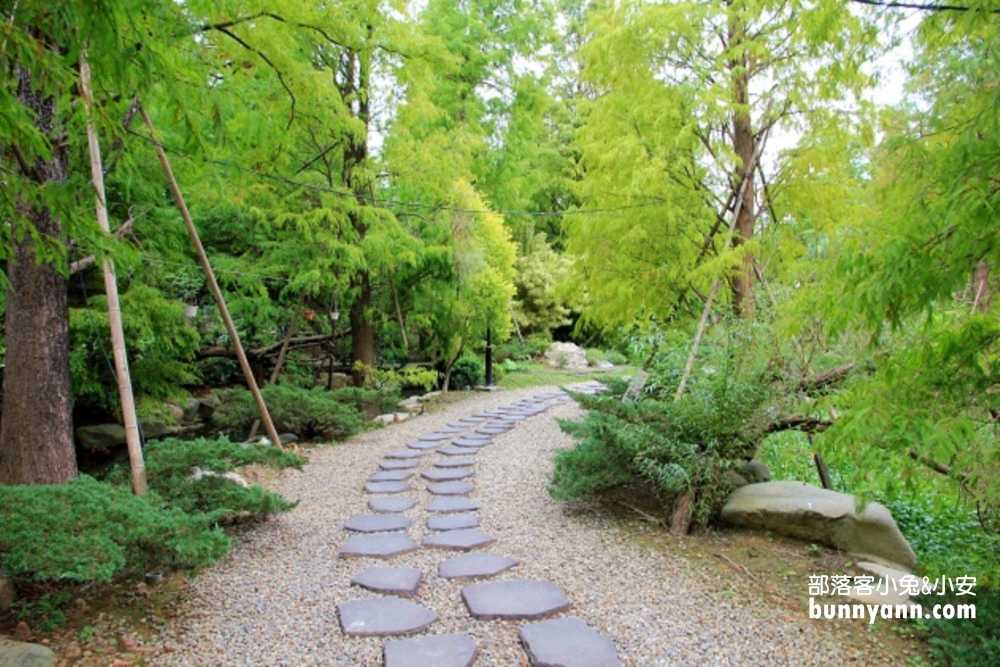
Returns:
(132,436)
(703,322)
(212,283)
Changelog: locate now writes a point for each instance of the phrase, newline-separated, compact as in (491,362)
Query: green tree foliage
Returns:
(906,274)
(715,80)
(539,275)
(476,296)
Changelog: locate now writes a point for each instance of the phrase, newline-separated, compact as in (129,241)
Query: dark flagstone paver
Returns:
(457,461)
(383,616)
(451,650)
(377,523)
(378,546)
(472,566)
(473,420)
(474,437)
(423,444)
(459,540)
(452,429)
(452,522)
(391,476)
(394,580)
(492,430)
(520,598)
(445,504)
(386,487)
(450,488)
(468,443)
(436,435)
(452,450)
(447,474)
(391,504)
(405,454)
(567,642)
(398,464)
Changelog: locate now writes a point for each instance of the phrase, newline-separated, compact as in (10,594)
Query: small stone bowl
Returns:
(154,577)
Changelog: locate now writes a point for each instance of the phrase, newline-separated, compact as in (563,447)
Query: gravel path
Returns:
(274,600)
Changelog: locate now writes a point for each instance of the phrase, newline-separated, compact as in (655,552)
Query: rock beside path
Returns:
(819,515)
(22,654)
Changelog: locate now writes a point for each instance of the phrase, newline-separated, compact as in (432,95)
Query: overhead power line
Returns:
(387,202)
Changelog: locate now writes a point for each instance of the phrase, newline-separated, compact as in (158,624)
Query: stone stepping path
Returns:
(473,441)
(377,523)
(387,487)
(434,651)
(391,476)
(398,464)
(520,598)
(395,580)
(458,488)
(567,641)
(405,454)
(437,436)
(391,504)
(470,445)
(456,462)
(452,522)
(445,504)
(452,450)
(424,444)
(388,615)
(564,641)
(459,540)
(447,474)
(492,430)
(377,546)
(474,566)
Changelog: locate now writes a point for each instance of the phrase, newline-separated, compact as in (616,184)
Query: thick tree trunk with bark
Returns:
(362,329)
(36,433)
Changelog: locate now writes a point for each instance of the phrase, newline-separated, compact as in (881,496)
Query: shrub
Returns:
(467,372)
(87,530)
(532,348)
(308,413)
(616,357)
(969,641)
(367,400)
(594,355)
(169,467)
(653,441)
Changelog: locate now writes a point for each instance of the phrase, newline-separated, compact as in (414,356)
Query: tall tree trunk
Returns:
(743,146)
(36,433)
(355,156)
(362,329)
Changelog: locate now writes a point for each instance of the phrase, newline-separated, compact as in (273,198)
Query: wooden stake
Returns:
(212,283)
(132,437)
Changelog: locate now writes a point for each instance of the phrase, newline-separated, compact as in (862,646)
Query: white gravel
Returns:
(274,600)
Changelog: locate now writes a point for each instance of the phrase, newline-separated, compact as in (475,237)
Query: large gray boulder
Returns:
(819,515)
(100,436)
(566,355)
(23,654)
